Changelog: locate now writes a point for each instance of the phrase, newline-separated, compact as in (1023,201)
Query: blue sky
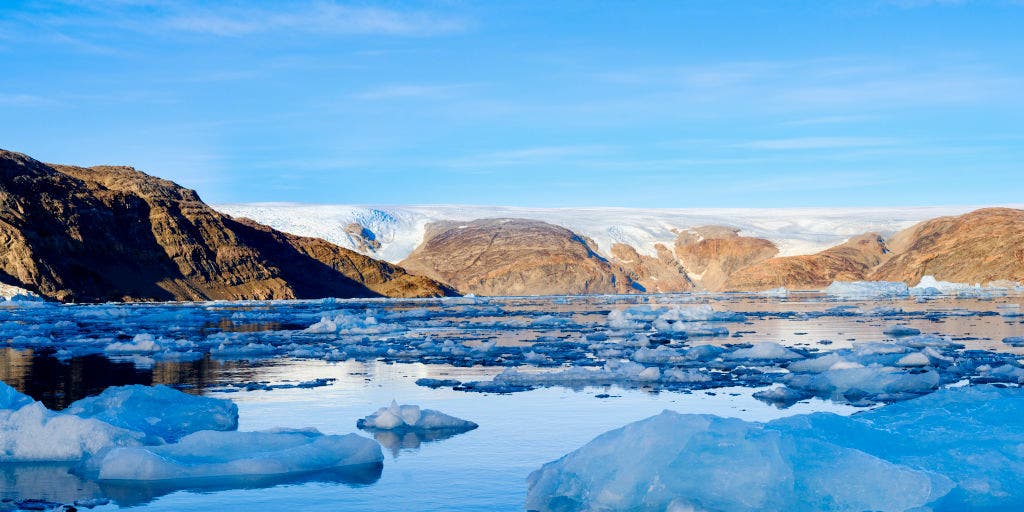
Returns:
(657,104)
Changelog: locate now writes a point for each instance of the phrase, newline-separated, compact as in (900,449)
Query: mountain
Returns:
(114,233)
(713,253)
(611,250)
(852,260)
(982,246)
(514,257)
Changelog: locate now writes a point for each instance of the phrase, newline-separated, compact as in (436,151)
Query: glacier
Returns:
(956,449)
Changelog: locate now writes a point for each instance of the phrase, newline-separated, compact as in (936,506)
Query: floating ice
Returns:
(11,398)
(210,454)
(159,411)
(144,343)
(956,449)
(868,289)
(412,418)
(766,351)
(901,330)
(32,433)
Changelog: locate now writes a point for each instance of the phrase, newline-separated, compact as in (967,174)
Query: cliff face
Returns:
(711,254)
(850,261)
(653,274)
(978,247)
(114,233)
(514,257)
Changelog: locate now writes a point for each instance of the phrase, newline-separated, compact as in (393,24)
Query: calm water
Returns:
(484,469)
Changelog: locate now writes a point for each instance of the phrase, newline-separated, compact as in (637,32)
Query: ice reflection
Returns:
(399,441)
(130,494)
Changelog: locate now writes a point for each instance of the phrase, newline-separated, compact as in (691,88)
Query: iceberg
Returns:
(157,411)
(955,449)
(855,290)
(410,418)
(11,398)
(219,455)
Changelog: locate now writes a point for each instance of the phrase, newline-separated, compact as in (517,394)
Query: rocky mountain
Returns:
(515,257)
(850,261)
(979,247)
(711,254)
(114,233)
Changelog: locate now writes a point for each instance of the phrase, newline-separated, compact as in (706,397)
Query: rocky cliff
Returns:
(114,233)
(713,253)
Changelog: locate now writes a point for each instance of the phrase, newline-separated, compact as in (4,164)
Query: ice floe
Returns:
(955,449)
(411,418)
(157,411)
(211,454)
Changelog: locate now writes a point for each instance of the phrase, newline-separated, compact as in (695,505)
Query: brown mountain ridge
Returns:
(115,233)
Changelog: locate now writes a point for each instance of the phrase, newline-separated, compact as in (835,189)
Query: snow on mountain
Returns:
(399,229)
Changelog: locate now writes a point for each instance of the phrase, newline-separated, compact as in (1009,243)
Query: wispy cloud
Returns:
(25,100)
(913,4)
(394,91)
(803,143)
(321,17)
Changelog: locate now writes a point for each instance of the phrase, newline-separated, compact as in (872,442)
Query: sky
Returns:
(672,104)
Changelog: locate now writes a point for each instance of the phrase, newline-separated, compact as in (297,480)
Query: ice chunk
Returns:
(32,433)
(681,462)
(901,330)
(867,289)
(766,351)
(875,383)
(144,343)
(1014,341)
(11,398)
(412,418)
(158,411)
(914,359)
(210,454)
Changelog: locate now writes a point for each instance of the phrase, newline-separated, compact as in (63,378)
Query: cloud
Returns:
(396,91)
(25,100)
(804,143)
(913,4)
(330,18)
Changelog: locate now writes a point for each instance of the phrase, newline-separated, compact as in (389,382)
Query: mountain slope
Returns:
(979,247)
(849,261)
(514,257)
(114,233)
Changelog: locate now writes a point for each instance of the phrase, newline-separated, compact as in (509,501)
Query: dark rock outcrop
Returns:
(114,233)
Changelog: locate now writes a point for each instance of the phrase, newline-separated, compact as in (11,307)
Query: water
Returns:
(52,356)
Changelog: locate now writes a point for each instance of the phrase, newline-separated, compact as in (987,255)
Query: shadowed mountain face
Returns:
(114,233)
(515,257)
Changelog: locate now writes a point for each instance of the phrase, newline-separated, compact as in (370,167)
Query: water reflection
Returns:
(128,494)
(52,482)
(399,441)
(58,382)
(58,484)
